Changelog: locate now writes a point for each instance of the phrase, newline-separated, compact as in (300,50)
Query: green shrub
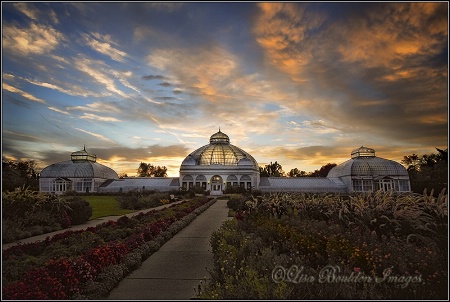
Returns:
(128,202)
(33,211)
(79,210)
(196,190)
(236,202)
(12,230)
(235,190)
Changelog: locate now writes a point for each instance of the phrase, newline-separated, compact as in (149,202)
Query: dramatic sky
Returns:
(303,84)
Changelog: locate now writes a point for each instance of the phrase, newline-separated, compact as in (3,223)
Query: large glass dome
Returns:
(219,151)
(365,163)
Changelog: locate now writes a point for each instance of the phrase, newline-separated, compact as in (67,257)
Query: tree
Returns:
(411,162)
(148,170)
(296,173)
(323,171)
(429,171)
(145,170)
(271,170)
(19,173)
(442,155)
(160,171)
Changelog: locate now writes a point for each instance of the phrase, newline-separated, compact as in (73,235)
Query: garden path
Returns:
(172,272)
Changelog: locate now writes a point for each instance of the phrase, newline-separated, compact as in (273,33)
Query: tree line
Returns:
(17,174)
(427,171)
(276,170)
(149,170)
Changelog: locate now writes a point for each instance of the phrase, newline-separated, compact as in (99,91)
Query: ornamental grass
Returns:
(377,245)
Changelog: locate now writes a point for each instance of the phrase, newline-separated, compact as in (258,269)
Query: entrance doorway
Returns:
(216,185)
(386,184)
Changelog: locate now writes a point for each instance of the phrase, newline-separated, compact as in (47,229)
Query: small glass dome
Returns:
(219,151)
(365,163)
(81,165)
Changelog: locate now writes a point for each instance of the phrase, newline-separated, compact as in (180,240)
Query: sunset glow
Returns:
(302,84)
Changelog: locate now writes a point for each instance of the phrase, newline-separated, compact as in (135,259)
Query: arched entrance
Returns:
(216,185)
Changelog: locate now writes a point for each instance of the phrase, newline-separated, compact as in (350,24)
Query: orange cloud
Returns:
(280,29)
(388,36)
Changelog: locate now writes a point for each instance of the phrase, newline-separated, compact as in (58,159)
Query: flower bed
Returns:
(89,264)
(298,246)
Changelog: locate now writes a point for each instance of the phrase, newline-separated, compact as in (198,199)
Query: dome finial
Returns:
(84,147)
(363,151)
(219,138)
(219,128)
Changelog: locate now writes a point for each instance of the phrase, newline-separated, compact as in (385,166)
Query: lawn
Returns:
(105,206)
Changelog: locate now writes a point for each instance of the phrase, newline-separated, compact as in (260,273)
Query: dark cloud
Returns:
(9,149)
(154,77)
(10,97)
(176,91)
(51,157)
(165,98)
(8,136)
(165,84)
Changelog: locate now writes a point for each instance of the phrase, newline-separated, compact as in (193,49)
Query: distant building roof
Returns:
(138,183)
(301,184)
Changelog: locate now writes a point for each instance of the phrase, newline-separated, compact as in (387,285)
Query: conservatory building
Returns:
(219,165)
(365,172)
(81,173)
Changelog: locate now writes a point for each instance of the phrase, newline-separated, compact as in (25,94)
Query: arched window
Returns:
(246,181)
(188,182)
(200,181)
(232,181)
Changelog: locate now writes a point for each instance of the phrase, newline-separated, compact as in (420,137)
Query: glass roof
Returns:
(300,184)
(137,183)
(368,166)
(219,152)
(79,169)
